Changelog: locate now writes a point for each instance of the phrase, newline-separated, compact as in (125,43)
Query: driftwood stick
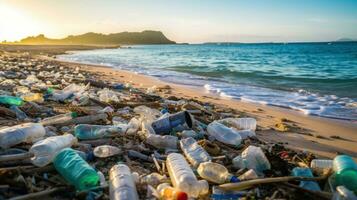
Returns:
(12,157)
(312,193)
(39,194)
(248,184)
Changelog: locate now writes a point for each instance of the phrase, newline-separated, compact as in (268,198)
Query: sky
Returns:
(192,21)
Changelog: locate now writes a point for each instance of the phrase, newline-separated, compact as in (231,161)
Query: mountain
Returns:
(144,37)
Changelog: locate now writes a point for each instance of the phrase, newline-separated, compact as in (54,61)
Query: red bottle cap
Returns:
(181,196)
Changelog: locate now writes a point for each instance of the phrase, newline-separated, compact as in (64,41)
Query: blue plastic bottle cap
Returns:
(90,156)
(234,179)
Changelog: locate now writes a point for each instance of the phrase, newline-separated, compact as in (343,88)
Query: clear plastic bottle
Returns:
(35,97)
(167,192)
(224,134)
(153,179)
(342,193)
(306,172)
(252,158)
(58,119)
(248,175)
(75,170)
(194,153)
(162,141)
(240,123)
(246,133)
(10,100)
(20,115)
(216,173)
(45,150)
(319,165)
(121,183)
(28,132)
(183,178)
(88,131)
(105,151)
(346,172)
(68,91)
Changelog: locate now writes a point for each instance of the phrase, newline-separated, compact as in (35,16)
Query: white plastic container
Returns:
(240,123)
(58,119)
(319,165)
(252,158)
(121,183)
(183,178)
(45,150)
(162,141)
(224,134)
(28,132)
(166,192)
(215,173)
(105,151)
(194,153)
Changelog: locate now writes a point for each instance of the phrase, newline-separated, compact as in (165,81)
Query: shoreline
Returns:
(311,133)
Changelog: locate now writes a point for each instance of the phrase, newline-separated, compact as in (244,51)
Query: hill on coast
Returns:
(144,37)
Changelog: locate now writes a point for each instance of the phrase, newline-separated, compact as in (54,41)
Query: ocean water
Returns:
(313,78)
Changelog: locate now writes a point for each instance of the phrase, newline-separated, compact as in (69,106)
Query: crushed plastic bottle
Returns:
(10,100)
(75,170)
(121,183)
(248,175)
(33,97)
(105,151)
(240,123)
(252,158)
(166,192)
(162,141)
(342,193)
(219,194)
(28,132)
(306,172)
(346,172)
(194,153)
(154,179)
(58,119)
(88,131)
(69,91)
(183,178)
(108,96)
(45,150)
(320,165)
(216,173)
(224,134)
(20,115)
(175,122)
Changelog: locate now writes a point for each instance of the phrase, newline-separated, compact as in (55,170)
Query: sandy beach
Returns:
(307,133)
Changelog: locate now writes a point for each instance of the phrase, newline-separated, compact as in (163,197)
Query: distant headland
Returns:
(91,38)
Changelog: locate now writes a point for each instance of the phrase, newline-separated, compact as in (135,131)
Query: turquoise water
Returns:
(314,78)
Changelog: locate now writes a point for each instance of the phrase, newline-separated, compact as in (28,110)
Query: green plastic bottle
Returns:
(10,100)
(75,170)
(346,172)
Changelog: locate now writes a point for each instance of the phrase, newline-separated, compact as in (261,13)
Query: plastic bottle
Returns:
(319,165)
(252,158)
(68,91)
(10,100)
(219,194)
(342,193)
(248,175)
(105,151)
(240,123)
(167,192)
(58,119)
(346,172)
(36,97)
(306,172)
(175,122)
(153,179)
(121,183)
(162,141)
(75,170)
(183,178)
(194,153)
(224,134)
(45,150)
(216,173)
(28,132)
(88,131)
(20,115)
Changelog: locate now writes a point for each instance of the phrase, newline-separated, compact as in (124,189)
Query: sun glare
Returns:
(15,24)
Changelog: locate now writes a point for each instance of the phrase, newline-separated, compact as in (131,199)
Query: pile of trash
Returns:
(65,135)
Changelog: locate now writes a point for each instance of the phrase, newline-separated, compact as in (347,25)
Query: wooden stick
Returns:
(321,194)
(38,194)
(156,163)
(248,184)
